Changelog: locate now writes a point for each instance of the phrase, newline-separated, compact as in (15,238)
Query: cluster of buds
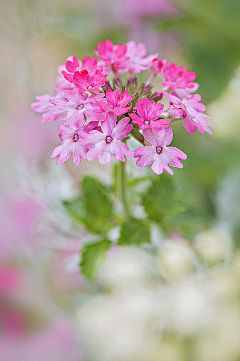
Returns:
(98,111)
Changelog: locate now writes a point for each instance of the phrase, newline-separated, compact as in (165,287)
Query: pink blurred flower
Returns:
(138,61)
(148,112)
(107,144)
(158,154)
(157,66)
(11,280)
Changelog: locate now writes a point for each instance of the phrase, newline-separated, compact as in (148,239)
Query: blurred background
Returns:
(179,303)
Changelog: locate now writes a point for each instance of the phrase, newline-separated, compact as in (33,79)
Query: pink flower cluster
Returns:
(98,112)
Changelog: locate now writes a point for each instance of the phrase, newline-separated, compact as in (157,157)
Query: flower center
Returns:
(75,137)
(158,150)
(108,139)
(146,122)
(80,107)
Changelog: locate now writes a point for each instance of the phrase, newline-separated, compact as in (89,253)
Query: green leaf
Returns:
(93,256)
(134,232)
(76,208)
(98,205)
(158,199)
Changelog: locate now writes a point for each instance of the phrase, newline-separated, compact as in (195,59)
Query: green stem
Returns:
(121,187)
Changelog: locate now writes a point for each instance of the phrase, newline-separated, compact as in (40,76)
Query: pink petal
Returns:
(122,129)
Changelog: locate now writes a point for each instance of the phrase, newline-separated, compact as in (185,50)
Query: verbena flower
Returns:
(107,144)
(98,112)
(158,154)
(76,107)
(71,144)
(148,113)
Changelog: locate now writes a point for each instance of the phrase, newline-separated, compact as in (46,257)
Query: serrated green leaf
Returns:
(134,232)
(159,197)
(93,256)
(94,208)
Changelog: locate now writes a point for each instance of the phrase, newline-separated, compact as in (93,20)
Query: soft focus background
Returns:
(180,303)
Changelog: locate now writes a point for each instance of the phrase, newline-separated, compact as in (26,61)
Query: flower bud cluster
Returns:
(98,112)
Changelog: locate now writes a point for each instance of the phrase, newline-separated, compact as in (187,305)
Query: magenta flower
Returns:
(71,144)
(180,80)
(41,106)
(107,144)
(157,66)
(138,60)
(158,154)
(148,112)
(93,82)
(112,54)
(116,102)
(192,112)
(76,107)
(85,75)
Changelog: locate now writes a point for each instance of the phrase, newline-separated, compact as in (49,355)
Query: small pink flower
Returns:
(157,66)
(84,81)
(116,102)
(112,54)
(76,107)
(62,84)
(159,155)
(192,112)
(107,144)
(148,112)
(180,80)
(41,106)
(138,60)
(71,144)
(85,75)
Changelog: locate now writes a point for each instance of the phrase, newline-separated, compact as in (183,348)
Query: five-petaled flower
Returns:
(149,112)
(107,144)
(158,154)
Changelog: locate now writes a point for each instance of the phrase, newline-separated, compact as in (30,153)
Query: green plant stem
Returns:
(121,187)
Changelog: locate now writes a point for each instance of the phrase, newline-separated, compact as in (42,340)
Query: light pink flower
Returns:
(192,112)
(76,107)
(41,106)
(112,54)
(180,80)
(138,60)
(62,83)
(71,144)
(158,154)
(148,112)
(116,102)
(107,144)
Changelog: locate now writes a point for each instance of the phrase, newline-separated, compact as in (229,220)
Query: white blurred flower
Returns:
(126,268)
(175,259)
(221,343)
(189,307)
(211,246)
(119,327)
